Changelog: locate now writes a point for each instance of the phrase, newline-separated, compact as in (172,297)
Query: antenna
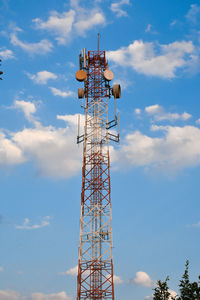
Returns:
(98,43)
(1,72)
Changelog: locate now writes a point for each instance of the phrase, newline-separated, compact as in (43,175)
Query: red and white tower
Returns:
(95,265)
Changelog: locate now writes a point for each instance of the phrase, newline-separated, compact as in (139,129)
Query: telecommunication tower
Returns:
(95,265)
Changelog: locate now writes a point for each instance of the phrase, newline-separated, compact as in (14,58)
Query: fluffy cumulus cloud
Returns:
(53,150)
(60,25)
(143,279)
(153,59)
(10,153)
(55,153)
(87,22)
(14,295)
(72,119)
(159,114)
(42,47)
(117,279)
(116,7)
(27,107)
(27,225)
(77,21)
(62,94)
(10,295)
(6,54)
(178,148)
(42,77)
(72,272)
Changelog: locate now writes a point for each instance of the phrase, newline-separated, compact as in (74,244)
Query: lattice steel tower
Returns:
(95,266)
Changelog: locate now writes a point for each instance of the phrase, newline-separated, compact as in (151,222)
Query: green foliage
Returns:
(185,286)
(161,292)
(188,290)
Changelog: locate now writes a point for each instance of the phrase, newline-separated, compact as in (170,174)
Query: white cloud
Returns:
(59,25)
(153,109)
(173,23)
(55,154)
(116,7)
(27,225)
(117,279)
(195,225)
(72,119)
(149,27)
(42,77)
(198,121)
(75,4)
(193,13)
(14,295)
(159,114)
(10,153)
(6,54)
(42,47)
(87,22)
(71,23)
(9,295)
(53,150)
(142,279)
(27,107)
(172,294)
(164,62)
(178,148)
(57,296)
(1,269)
(63,94)
(71,272)
(158,127)
(137,111)
(123,81)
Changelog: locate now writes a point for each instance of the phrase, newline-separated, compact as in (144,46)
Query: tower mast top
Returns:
(98,43)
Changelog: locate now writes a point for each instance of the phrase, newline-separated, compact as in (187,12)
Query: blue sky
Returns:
(153,48)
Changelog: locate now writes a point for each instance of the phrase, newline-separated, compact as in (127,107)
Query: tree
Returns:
(188,290)
(185,286)
(195,287)
(161,292)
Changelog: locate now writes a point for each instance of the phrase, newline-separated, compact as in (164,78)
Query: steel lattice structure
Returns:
(95,266)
